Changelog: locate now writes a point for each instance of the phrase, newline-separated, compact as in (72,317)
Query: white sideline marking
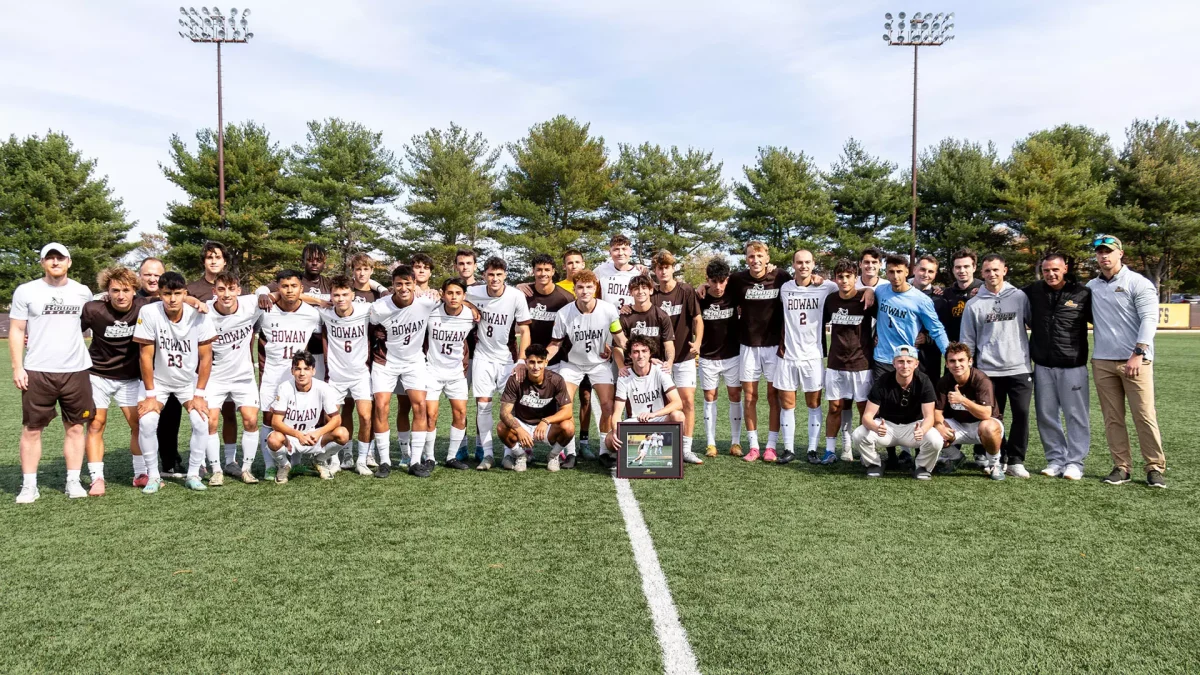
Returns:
(677,655)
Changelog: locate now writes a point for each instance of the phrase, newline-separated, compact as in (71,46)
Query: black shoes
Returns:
(786,457)
(383,471)
(1154,478)
(421,469)
(456,463)
(607,460)
(874,471)
(1118,476)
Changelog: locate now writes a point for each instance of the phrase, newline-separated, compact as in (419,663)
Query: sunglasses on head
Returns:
(1103,240)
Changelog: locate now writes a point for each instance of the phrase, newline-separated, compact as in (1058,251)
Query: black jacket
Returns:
(1060,324)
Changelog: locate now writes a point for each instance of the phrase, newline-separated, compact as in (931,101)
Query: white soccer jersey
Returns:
(614,284)
(347,347)
(55,341)
(802,329)
(589,333)
(497,317)
(177,344)
(447,334)
(232,361)
(645,393)
(405,327)
(859,285)
(287,333)
(302,409)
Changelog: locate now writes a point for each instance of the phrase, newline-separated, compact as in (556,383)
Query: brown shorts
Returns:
(72,391)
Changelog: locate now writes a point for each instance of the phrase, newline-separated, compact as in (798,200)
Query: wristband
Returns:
(151,393)
(198,392)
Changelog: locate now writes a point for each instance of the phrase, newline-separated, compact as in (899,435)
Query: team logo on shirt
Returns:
(671,309)
(998,314)
(59,306)
(640,328)
(644,398)
(119,329)
(843,317)
(531,400)
(540,313)
(957,309)
(717,313)
(891,310)
(801,302)
(760,292)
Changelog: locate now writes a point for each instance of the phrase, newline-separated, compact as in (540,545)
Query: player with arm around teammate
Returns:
(535,406)
(298,407)
(719,360)
(848,369)
(347,345)
(447,332)
(234,317)
(966,409)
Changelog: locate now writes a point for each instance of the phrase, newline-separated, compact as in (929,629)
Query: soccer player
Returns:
(55,371)
(923,279)
(848,371)
(149,273)
(593,328)
(348,355)
(366,289)
(233,317)
(615,275)
(545,298)
(644,319)
(1060,311)
(966,409)
(295,422)
(422,265)
(535,406)
(403,314)
(869,262)
(114,373)
(447,332)
(800,353)
(465,266)
(900,412)
(285,329)
(993,328)
(679,302)
(651,395)
(502,311)
(573,262)
(719,356)
(955,296)
(176,360)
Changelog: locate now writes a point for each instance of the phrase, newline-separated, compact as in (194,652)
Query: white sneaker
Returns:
(75,490)
(994,472)
(847,455)
(1017,470)
(324,471)
(1073,472)
(1053,470)
(363,469)
(28,494)
(690,457)
(521,464)
(554,463)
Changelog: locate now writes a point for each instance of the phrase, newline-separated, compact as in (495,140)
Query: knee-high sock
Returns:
(403,440)
(484,419)
(329,453)
(814,428)
(230,453)
(198,444)
(268,456)
(570,449)
(456,439)
(710,421)
(383,446)
(735,422)
(846,427)
(249,448)
(687,444)
(787,426)
(148,441)
(213,452)
(362,449)
(430,444)
(416,447)
(139,465)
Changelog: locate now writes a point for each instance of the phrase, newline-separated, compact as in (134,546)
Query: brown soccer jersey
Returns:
(720,327)
(681,306)
(652,323)
(978,388)
(533,402)
(761,311)
(543,309)
(850,338)
(113,351)
(201,290)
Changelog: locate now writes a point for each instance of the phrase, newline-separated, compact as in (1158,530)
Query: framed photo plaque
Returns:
(650,450)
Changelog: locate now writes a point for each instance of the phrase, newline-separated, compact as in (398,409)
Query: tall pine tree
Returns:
(868,200)
(784,204)
(957,204)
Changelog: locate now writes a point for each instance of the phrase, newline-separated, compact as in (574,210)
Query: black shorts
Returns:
(70,391)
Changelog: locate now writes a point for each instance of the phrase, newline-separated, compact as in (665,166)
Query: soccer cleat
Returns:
(217,479)
(231,469)
(75,490)
(153,485)
(1117,476)
(847,455)
(485,464)
(874,471)
(97,489)
(507,463)
(270,474)
(361,468)
(194,483)
(736,450)
(383,471)
(690,457)
(347,463)
(813,457)
(995,472)
(786,458)
(829,457)
(1154,479)
(587,451)
(248,478)
(710,451)
(769,455)
(569,462)
(140,480)
(1017,470)
(420,469)
(282,471)
(521,464)
(751,456)
(922,474)
(457,463)
(553,463)
(1073,472)
(1053,470)
(28,494)
(324,471)
(371,460)
(173,472)
(607,460)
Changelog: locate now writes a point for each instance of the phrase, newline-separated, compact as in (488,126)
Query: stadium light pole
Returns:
(212,26)
(920,30)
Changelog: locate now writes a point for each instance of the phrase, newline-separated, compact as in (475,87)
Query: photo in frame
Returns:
(650,450)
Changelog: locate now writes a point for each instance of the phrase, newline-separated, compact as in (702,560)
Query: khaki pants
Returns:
(1114,388)
(868,443)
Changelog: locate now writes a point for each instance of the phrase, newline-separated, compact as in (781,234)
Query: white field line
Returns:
(677,655)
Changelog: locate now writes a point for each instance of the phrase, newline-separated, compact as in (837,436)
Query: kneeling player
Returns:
(651,394)
(298,407)
(966,408)
(900,412)
(535,406)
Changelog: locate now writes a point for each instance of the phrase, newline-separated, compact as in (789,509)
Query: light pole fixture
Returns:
(210,25)
(919,30)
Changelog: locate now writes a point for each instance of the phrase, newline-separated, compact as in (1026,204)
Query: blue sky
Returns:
(719,75)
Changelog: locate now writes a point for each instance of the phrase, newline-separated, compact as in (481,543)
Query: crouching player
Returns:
(651,394)
(900,413)
(296,424)
(535,406)
(966,408)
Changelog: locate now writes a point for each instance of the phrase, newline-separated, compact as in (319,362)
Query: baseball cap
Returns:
(905,350)
(1107,240)
(55,246)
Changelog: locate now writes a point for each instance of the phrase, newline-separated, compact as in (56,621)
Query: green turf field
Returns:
(773,569)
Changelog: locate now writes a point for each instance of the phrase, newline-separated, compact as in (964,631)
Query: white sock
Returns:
(735,422)
(383,445)
(402,440)
(267,455)
(230,453)
(752,437)
(710,421)
(199,446)
(483,418)
(148,442)
(846,428)
(29,480)
(814,428)
(456,438)
(416,448)
(329,453)
(96,469)
(139,465)
(72,475)
(787,426)
(249,448)
(571,446)
(603,443)
(830,444)
(362,449)
(430,444)
(687,445)
(213,452)
(772,438)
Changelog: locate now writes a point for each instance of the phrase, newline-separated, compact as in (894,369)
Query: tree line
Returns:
(447,189)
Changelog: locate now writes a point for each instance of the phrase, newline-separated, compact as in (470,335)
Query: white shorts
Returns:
(796,375)
(123,392)
(684,374)
(964,433)
(270,383)
(358,390)
(386,377)
(653,420)
(455,388)
(319,367)
(844,385)
(599,373)
(712,371)
(243,394)
(183,395)
(488,377)
(758,362)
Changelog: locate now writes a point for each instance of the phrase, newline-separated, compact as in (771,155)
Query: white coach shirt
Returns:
(55,334)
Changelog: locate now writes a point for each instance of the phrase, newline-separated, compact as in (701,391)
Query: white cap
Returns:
(905,350)
(55,246)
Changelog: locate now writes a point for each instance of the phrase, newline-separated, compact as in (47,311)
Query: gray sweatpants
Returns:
(1063,392)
